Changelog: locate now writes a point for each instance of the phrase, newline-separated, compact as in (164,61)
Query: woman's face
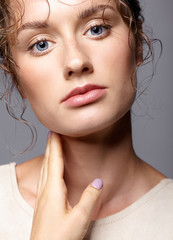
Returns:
(75,50)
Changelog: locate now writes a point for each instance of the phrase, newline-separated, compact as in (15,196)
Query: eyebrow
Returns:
(93,10)
(34,25)
(82,15)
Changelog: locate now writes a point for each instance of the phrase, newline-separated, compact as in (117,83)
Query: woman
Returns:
(75,61)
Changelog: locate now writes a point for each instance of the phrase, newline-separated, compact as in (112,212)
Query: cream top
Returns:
(150,217)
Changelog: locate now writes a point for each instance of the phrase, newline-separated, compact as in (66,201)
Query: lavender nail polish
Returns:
(97,183)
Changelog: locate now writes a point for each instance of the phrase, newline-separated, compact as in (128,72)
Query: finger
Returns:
(55,159)
(43,172)
(55,170)
(89,199)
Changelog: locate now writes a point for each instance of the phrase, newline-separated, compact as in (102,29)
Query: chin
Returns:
(89,128)
(87,121)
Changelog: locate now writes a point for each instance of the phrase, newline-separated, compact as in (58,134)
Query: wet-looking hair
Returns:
(129,10)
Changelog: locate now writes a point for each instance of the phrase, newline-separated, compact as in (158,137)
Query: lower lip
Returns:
(86,98)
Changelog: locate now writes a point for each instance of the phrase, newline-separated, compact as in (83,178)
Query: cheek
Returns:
(35,78)
(42,86)
(119,57)
(117,64)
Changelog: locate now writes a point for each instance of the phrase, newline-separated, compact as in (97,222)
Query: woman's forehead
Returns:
(66,2)
(41,8)
(72,2)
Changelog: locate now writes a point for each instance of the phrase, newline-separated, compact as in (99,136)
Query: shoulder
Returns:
(158,208)
(166,189)
(6,177)
(15,214)
(162,196)
(7,185)
(150,217)
(169,183)
(6,168)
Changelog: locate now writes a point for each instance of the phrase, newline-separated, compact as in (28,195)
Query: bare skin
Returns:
(53,215)
(96,137)
(130,183)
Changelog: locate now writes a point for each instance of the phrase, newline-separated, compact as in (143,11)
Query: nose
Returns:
(77,63)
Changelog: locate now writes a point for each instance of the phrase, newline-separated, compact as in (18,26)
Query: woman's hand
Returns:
(54,218)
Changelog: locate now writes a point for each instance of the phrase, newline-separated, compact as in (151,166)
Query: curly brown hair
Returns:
(10,18)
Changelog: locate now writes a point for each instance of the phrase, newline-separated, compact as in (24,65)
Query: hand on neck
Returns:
(109,156)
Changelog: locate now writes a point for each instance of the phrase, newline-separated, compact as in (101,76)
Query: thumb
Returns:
(89,199)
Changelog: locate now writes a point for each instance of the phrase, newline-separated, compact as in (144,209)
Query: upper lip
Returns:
(82,90)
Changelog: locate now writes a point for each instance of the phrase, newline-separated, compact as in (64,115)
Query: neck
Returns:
(108,155)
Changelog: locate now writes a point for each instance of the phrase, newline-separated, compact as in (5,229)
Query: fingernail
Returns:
(48,135)
(97,183)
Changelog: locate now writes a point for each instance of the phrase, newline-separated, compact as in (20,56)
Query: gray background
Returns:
(152,115)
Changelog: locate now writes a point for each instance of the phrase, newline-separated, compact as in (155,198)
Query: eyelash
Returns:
(30,49)
(106,28)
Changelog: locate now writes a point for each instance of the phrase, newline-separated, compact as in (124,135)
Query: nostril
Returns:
(85,69)
(78,70)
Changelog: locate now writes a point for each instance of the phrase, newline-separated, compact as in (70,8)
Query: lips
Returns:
(84,95)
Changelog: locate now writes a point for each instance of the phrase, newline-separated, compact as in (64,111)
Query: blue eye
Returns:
(42,46)
(98,30)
